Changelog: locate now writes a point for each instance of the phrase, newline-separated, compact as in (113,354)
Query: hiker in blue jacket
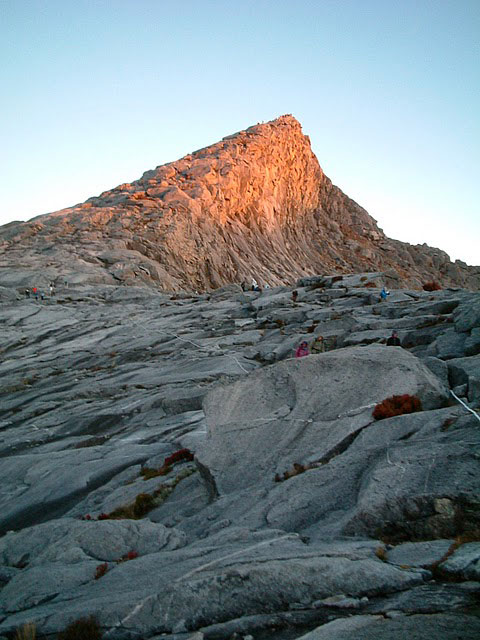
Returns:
(383,294)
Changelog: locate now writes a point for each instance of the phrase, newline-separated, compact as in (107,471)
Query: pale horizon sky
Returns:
(96,92)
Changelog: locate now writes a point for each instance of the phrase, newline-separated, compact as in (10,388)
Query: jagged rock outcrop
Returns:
(255,204)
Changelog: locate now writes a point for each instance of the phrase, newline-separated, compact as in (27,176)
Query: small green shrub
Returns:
(148,473)
(296,470)
(82,629)
(464,538)
(381,553)
(27,631)
(447,423)
(120,513)
(144,503)
(13,388)
(182,455)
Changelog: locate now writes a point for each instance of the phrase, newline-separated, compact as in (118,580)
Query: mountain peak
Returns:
(255,204)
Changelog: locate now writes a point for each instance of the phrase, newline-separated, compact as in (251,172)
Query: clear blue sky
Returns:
(95,92)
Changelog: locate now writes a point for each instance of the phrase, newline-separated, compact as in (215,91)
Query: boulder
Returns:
(315,282)
(71,540)
(42,583)
(467,316)
(386,480)
(449,344)
(299,410)
(365,337)
(464,563)
(8,295)
(239,574)
(438,367)
(463,370)
(474,390)
(38,486)
(472,342)
(416,627)
(419,554)
(432,597)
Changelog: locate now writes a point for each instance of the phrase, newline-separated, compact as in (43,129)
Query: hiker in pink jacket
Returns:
(302,350)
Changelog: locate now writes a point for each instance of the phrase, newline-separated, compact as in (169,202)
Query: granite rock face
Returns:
(257,204)
(300,513)
(303,410)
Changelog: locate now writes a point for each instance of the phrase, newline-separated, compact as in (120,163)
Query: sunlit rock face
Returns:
(256,204)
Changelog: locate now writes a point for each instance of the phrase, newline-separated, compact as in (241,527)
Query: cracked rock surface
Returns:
(300,515)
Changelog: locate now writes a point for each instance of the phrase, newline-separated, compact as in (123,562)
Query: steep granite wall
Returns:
(255,204)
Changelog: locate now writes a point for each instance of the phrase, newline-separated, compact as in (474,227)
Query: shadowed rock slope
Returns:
(297,513)
(255,204)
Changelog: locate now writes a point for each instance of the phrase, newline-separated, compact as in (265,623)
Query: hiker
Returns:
(393,340)
(254,285)
(27,293)
(35,292)
(302,350)
(52,289)
(319,345)
(294,295)
(383,294)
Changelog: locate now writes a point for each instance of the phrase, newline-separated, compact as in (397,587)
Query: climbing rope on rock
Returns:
(465,405)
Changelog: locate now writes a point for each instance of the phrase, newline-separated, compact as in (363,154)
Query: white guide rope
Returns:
(466,406)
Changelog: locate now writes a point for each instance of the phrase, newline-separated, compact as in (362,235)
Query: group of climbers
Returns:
(319,345)
(254,286)
(35,293)
(38,294)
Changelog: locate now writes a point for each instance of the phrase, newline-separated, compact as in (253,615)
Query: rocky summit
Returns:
(257,204)
(170,469)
